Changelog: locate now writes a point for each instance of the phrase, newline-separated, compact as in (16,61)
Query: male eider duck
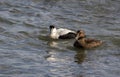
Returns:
(86,43)
(61,33)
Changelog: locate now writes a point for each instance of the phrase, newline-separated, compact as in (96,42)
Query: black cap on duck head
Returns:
(51,26)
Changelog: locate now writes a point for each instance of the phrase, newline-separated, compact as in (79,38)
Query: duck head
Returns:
(52,29)
(80,34)
(53,32)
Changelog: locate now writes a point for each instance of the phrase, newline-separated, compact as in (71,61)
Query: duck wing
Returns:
(69,35)
(88,40)
(90,43)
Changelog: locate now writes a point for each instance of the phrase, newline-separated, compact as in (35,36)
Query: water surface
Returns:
(26,50)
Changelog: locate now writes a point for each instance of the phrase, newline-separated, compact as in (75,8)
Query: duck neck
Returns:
(82,41)
(53,33)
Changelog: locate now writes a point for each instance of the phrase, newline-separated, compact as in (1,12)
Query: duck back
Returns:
(90,43)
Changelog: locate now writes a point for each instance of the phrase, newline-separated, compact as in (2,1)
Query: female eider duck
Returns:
(86,43)
(61,33)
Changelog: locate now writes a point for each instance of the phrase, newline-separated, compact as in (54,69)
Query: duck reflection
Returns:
(53,44)
(80,56)
(59,44)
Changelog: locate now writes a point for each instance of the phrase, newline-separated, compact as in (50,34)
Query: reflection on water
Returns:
(27,51)
(53,44)
(80,56)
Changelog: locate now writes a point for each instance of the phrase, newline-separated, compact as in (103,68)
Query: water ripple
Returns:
(27,51)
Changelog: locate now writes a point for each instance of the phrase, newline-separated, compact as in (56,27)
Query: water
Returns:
(26,51)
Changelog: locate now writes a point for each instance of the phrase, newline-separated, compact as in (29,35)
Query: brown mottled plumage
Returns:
(83,42)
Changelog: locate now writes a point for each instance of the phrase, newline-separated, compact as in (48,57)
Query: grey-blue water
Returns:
(27,51)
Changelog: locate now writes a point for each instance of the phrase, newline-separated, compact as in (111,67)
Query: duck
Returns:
(61,33)
(86,43)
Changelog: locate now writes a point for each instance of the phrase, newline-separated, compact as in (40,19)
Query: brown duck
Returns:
(83,42)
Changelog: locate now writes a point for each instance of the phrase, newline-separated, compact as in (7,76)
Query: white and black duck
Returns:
(61,33)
